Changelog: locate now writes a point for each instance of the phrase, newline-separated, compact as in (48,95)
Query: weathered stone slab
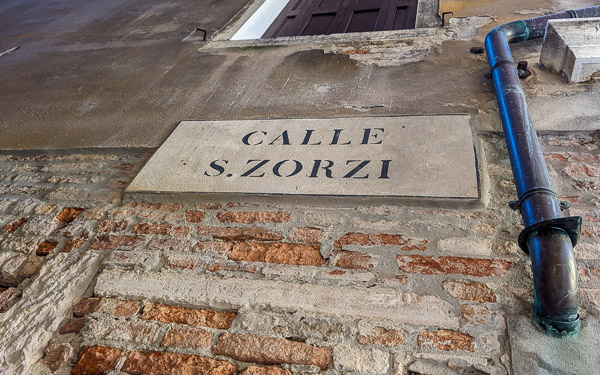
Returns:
(572,47)
(416,156)
(27,327)
(233,294)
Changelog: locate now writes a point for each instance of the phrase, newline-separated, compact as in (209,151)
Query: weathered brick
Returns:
(271,350)
(69,214)
(152,228)
(9,274)
(184,315)
(353,260)
(181,261)
(233,266)
(71,326)
(119,307)
(168,244)
(111,242)
(428,265)
(187,337)
(97,360)
(208,206)
(351,360)
(446,340)
(214,246)
(377,239)
(179,231)
(590,231)
(308,235)
(270,370)
(93,214)
(112,226)
(45,247)
(167,207)
(193,216)
(102,327)
(86,306)
(253,217)
(469,290)
(240,234)
(76,242)
(284,253)
(31,267)
(582,170)
(584,157)
(465,245)
(383,337)
(8,297)
(475,314)
(166,363)
(57,354)
(13,226)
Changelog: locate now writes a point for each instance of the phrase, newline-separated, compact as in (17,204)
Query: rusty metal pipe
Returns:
(548,237)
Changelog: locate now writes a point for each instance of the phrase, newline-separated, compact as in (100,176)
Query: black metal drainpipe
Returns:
(548,237)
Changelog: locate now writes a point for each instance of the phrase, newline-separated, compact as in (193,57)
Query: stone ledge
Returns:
(235,293)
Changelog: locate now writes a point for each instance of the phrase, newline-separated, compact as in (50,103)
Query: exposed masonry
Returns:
(234,287)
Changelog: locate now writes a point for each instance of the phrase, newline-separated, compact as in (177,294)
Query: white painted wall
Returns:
(260,21)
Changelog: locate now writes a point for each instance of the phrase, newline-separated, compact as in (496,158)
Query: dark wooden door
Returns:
(323,17)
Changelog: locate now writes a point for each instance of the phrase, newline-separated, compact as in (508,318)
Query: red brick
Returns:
(469,290)
(56,355)
(68,214)
(12,227)
(181,263)
(253,217)
(86,306)
(166,363)
(184,315)
(446,340)
(240,234)
(8,297)
(167,207)
(428,265)
(353,260)
(383,337)
(111,242)
(308,235)
(284,253)
(187,337)
(45,247)
(376,239)
(214,246)
(71,326)
(271,350)
(112,226)
(97,360)
(254,370)
(208,206)
(151,228)
(192,216)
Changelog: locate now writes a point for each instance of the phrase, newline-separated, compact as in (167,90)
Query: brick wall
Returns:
(226,287)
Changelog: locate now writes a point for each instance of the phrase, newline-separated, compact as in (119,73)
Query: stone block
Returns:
(572,47)
(233,293)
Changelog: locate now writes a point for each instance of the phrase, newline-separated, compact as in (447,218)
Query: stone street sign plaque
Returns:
(417,156)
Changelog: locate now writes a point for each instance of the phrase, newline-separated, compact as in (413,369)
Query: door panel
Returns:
(322,17)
